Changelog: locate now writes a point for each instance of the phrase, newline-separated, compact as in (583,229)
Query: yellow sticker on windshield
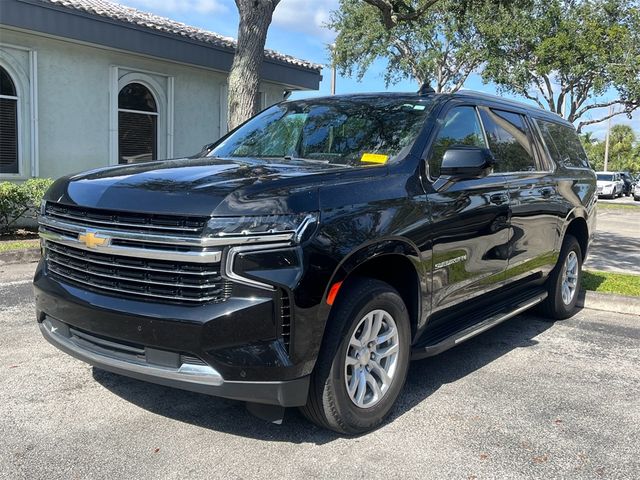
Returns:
(374,158)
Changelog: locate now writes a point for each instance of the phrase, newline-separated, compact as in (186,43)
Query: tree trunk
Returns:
(244,78)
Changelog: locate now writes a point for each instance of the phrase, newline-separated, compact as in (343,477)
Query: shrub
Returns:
(20,200)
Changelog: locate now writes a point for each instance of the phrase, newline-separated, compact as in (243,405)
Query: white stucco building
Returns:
(89,83)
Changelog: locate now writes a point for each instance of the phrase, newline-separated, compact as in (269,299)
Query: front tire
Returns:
(564,282)
(364,359)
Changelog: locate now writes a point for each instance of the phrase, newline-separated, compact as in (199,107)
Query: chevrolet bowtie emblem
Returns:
(92,240)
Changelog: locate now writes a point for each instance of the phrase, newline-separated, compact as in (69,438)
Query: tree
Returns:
(565,54)
(427,41)
(244,78)
(624,150)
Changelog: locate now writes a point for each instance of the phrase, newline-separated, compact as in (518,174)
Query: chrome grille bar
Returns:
(187,256)
(53,247)
(97,286)
(135,280)
(160,240)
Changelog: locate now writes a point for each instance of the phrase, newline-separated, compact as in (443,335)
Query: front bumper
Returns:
(231,349)
(186,376)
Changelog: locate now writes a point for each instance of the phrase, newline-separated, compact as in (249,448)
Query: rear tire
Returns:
(342,395)
(564,282)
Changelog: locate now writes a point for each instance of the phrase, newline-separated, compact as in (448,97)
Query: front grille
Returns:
(159,280)
(129,221)
(102,345)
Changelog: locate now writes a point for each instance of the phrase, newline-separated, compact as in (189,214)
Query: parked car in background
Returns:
(609,184)
(636,192)
(305,258)
(628,183)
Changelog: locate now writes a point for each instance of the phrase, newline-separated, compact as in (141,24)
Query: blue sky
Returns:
(298,30)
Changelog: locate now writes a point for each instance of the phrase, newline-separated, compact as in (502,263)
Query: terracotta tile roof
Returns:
(122,13)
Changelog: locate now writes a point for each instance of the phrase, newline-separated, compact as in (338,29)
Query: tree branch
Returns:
(535,99)
(407,54)
(585,109)
(549,97)
(390,11)
(606,117)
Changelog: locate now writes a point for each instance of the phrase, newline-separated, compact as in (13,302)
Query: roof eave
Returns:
(82,26)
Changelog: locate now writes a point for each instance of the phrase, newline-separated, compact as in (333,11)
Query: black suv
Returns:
(318,248)
(629,182)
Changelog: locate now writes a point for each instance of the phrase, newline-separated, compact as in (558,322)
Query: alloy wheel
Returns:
(372,358)
(570,278)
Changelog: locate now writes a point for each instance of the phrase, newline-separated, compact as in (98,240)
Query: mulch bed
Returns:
(20,234)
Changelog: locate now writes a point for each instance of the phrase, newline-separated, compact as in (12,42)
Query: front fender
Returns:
(375,249)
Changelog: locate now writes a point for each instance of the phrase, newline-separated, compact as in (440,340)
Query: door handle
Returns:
(499,198)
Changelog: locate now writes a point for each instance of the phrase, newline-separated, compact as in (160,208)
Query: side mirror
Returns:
(466,163)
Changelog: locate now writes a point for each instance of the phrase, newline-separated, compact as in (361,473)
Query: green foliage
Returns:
(566,54)
(429,42)
(624,150)
(20,200)
(8,246)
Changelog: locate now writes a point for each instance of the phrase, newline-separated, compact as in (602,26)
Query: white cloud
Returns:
(180,6)
(306,17)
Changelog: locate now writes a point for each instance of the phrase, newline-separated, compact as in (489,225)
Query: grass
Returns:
(11,245)
(618,206)
(605,282)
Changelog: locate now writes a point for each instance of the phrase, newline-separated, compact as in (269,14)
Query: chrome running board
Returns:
(483,325)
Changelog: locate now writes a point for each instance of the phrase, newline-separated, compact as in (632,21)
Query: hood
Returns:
(203,187)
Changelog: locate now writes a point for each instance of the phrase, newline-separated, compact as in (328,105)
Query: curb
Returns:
(609,302)
(29,255)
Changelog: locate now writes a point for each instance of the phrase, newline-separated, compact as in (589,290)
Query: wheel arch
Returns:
(396,262)
(577,226)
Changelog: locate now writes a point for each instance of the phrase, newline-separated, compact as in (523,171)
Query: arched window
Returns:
(137,124)
(8,124)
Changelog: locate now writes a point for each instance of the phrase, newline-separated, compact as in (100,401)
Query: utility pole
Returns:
(606,142)
(333,79)
(333,69)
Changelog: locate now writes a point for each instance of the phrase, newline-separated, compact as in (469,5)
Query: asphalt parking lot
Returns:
(528,399)
(616,247)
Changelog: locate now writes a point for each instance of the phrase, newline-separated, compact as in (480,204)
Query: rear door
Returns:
(469,219)
(534,201)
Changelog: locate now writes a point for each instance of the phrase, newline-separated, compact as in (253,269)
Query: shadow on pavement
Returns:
(610,250)
(425,377)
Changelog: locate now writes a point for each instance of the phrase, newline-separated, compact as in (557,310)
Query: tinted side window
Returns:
(460,126)
(509,141)
(563,144)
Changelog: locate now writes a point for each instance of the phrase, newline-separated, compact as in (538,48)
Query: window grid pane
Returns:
(6,84)
(460,127)
(563,144)
(9,136)
(136,96)
(137,137)
(509,141)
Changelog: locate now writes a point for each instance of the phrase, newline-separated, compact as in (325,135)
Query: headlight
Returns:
(262,267)
(297,226)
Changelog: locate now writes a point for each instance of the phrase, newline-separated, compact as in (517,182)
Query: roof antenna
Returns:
(425,89)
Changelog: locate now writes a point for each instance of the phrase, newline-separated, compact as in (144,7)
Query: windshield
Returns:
(605,177)
(351,132)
